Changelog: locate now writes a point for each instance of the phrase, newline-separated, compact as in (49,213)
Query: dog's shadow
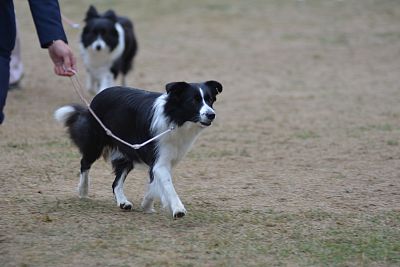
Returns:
(84,206)
(76,210)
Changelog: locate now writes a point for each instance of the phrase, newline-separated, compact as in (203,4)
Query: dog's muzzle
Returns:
(207,118)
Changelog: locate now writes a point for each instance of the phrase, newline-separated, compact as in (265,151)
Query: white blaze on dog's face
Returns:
(98,45)
(207,114)
(192,102)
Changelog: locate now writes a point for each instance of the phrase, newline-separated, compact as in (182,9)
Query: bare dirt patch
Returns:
(301,168)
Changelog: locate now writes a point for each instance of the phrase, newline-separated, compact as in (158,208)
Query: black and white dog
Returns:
(108,45)
(135,116)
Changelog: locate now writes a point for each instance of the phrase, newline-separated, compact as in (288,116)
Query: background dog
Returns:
(136,116)
(108,46)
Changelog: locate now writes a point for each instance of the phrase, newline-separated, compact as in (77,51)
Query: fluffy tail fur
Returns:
(68,115)
(83,129)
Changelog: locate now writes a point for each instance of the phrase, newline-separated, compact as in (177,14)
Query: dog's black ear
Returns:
(215,86)
(110,14)
(176,88)
(91,13)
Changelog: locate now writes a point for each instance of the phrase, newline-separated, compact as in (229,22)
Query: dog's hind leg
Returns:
(86,162)
(122,167)
(83,187)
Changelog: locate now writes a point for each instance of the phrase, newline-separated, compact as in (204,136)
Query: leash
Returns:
(72,24)
(78,88)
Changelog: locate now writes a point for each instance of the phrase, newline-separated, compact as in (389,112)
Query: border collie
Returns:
(135,116)
(108,45)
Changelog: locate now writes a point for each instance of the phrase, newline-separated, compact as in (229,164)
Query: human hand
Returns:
(63,58)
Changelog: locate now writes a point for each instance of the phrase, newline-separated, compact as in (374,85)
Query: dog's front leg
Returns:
(123,80)
(90,83)
(162,187)
(106,81)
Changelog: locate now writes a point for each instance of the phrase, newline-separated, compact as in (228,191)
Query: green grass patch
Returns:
(338,246)
(392,142)
(334,39)
(380,127)
(304,135)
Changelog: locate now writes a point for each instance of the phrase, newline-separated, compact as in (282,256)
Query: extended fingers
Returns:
(62,71)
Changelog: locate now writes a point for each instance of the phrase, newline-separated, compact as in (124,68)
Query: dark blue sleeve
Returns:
(47,17)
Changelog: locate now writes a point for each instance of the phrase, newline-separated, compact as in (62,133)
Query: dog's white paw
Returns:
(148,206)
(149,210)
(125,205)
(179,212)
(83,191)
(83,186)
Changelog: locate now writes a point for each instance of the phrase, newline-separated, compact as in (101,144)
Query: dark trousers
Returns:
(7,42)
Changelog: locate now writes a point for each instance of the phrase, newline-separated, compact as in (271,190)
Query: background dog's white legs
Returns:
(106,81)
(123,80)
(161,187)
(83,187)
(90,83)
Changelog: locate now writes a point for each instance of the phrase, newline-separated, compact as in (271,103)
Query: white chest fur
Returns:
(174,146)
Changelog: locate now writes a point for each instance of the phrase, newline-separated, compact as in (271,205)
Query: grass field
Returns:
(301,168)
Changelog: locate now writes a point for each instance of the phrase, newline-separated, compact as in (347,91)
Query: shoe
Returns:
(15,85)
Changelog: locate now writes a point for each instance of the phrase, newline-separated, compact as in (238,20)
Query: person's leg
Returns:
(4,79)
(7,42)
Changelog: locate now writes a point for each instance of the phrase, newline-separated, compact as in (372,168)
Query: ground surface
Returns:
(302,166)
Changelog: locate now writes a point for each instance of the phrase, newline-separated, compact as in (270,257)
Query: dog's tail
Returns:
(68,115)
(82,130)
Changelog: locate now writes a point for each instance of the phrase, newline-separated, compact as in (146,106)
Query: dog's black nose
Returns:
(98,47)
(210,116)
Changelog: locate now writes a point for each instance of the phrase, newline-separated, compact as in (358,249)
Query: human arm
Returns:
(47,18)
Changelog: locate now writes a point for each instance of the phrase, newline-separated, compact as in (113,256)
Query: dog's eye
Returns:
(208,99)
(197,98)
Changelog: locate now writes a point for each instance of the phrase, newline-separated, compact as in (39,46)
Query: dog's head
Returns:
(192,102)
(101,31)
